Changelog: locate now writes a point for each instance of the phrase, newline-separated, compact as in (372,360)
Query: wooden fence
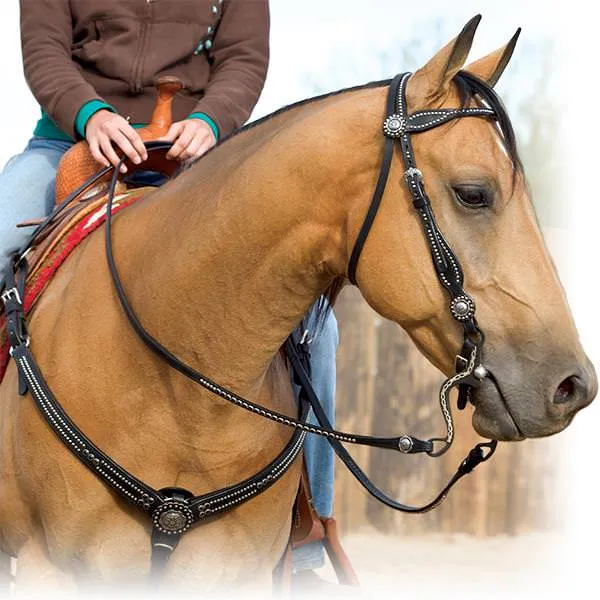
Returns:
(386,387)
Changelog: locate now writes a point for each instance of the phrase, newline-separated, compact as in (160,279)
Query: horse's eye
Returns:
(473,196)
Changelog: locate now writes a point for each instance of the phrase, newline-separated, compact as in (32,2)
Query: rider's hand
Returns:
(106,128)
(191,139)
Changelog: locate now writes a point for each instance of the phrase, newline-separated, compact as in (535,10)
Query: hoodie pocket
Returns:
(112,51)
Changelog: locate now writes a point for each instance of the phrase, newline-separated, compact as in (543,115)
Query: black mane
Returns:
(280,111)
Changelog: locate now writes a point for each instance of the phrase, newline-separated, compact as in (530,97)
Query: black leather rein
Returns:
(174,510)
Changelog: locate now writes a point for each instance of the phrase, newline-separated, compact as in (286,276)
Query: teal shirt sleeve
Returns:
(204,117)
(87,111)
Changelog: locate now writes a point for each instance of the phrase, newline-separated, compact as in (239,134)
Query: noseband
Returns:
(173,511)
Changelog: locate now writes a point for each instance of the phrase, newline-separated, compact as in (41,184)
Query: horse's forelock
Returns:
(470,87)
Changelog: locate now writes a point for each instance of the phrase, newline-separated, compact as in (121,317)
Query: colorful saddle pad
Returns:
(57,252)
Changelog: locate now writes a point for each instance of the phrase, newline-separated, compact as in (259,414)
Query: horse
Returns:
(222,263)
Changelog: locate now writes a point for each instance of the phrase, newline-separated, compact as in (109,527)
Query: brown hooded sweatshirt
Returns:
(78,51)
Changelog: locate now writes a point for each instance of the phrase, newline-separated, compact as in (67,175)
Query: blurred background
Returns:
(521,524)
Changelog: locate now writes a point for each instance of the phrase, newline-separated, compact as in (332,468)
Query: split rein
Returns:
(173,511)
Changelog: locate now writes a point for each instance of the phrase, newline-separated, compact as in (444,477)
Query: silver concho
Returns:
(394,126)
(405,444)
(173,518)
(462,308)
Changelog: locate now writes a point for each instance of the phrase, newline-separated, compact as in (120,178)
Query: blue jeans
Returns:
(27,193)
(318,454)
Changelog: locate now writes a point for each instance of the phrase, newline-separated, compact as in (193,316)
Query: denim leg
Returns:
(27,192)
(318,454)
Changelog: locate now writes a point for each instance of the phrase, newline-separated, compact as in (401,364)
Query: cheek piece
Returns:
(398,127)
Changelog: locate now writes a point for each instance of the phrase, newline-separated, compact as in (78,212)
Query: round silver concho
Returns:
(405,444)
(462,308)
(173,518)
(394,126)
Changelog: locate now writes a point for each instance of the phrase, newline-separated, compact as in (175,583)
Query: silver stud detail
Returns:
(480,373)
(173,518)
(208,44)
(413,172)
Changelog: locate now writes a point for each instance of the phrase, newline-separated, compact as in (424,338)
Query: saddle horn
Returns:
(78,165)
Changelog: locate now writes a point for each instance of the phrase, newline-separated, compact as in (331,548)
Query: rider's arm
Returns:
(240,56)
(54,79)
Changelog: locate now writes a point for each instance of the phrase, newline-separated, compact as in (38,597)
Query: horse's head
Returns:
(538,374)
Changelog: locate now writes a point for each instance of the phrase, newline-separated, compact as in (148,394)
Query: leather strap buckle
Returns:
(25,342)
(306,338)
(12,294)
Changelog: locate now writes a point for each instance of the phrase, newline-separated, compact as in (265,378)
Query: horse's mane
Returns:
(469,86)
(311,100)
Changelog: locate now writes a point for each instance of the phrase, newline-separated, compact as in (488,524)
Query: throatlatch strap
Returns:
(388,154)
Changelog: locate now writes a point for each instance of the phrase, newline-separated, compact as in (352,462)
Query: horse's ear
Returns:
(433,80)
(490,67)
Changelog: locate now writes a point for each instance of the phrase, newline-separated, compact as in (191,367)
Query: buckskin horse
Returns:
(221,264)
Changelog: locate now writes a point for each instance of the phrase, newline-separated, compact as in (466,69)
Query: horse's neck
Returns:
(236,249)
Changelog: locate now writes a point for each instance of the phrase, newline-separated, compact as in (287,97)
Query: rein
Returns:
(173,511)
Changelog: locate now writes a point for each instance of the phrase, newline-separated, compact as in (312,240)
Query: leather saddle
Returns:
(78,165)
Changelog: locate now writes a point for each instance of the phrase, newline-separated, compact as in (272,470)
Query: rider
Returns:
(92,65)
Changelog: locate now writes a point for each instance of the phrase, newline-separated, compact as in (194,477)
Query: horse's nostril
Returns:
(566,391)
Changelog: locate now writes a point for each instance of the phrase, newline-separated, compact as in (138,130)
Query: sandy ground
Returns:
(529,566)
(461,567)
